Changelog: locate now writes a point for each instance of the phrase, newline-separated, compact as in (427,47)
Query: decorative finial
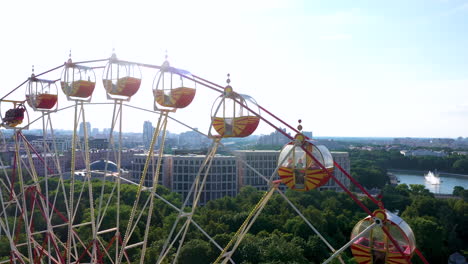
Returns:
(69,58)
(166,62)
(114,56)
(228,88)
(32,74)
(299,127)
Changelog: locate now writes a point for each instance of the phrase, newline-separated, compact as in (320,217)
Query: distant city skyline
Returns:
(355,69)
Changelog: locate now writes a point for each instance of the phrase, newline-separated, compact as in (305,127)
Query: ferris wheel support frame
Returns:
(208,84)
(162,119)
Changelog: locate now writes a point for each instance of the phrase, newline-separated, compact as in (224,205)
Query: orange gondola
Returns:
(78,82)
(121,79)
(376,247)
(231,118)
(41,95)
(298,170)
(172,89)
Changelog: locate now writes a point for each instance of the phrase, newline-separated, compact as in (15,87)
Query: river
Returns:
(447,181)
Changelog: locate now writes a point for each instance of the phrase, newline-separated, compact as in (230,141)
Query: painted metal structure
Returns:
(34,225)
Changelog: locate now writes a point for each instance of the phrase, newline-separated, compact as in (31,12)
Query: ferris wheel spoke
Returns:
(103,185)
(160,126)
(226,254)
(196,191)
(153,190)
(289,201)
(205,169)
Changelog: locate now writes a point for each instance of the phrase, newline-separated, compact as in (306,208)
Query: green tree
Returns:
(429,239)
(461,165)
(196,251)
(458,190)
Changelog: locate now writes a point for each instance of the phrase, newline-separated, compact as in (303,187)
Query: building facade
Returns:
(252,162)
(221,179)
(227,174)
(265,162)
(148,131)
(342,158)
(178,173)
(138,164)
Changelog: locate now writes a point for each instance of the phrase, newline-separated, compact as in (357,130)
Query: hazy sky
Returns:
(346,68)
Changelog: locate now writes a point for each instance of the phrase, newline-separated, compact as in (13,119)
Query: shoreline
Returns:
(455,175)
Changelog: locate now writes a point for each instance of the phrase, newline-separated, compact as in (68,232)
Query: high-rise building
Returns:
(148,131)
(95,131)
(275,138)
(193,140)
(81,130)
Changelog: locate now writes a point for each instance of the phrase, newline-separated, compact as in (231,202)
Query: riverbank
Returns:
(447,181)
(424,172)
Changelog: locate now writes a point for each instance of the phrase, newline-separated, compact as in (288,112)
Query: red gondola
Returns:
(376,247)
(231,118)
(41,95)
(78,82)
(298,170)
(14,116)
(171,89)
(121,79)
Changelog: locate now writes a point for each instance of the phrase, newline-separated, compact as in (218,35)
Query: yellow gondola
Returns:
(121,79)
(231,118)
(171,89)
(376,247)
(78,82)
(298,170)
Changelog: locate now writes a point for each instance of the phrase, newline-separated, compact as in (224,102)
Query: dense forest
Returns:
(279,235)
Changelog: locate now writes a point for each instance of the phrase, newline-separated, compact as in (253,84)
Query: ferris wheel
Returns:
(43,196)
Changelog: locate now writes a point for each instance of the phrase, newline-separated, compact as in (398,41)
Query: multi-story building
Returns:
(221,180)
(62,144)
(275,138)
(42,163)
(148,131)
(342,158)
(227,174)
(178,173)
(126,157)
(262,161)
(192,140)
(138,164)
(98,143)
(88,129)
(265,162)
